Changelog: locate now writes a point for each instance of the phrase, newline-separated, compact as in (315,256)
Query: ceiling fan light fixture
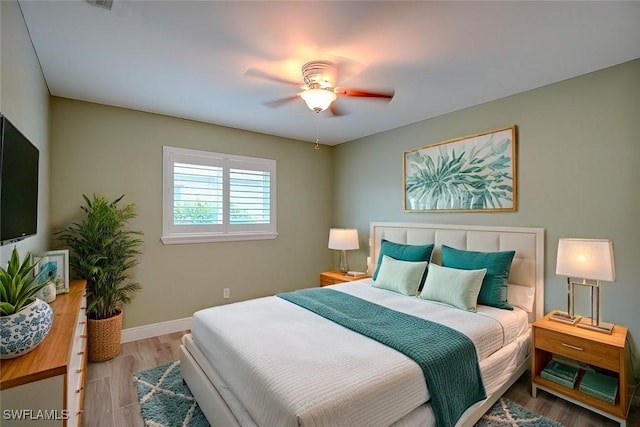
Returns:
(318,99)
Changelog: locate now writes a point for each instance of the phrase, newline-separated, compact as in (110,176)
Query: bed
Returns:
(275,362)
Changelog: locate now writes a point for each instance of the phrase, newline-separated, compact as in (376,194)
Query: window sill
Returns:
(181,239)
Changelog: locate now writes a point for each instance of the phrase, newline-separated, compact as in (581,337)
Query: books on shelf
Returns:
(600,386)
(560,373)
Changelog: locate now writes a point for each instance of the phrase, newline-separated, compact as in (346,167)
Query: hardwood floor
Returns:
(111,400)
(110,396)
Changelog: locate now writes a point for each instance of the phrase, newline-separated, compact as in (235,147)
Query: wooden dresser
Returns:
(46,385)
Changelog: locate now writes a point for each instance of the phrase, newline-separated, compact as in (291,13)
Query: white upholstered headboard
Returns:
(527,268)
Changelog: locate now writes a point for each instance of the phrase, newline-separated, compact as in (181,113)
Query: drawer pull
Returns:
(573,347)
(78,371)
(84,336)
(80,353)
(82,322)
(80,389)
(80,412)
(83,308)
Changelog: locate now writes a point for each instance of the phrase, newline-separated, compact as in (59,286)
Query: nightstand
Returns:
(335,276)
(608,353)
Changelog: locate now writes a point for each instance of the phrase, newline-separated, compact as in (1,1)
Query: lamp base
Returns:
(604,327)
(344,267)
(559,316)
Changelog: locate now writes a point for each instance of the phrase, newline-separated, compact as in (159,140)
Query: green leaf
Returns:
(17,284)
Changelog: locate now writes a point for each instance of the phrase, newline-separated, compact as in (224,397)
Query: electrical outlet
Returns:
(225,293)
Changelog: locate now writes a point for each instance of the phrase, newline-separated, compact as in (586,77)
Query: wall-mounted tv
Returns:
(18,184)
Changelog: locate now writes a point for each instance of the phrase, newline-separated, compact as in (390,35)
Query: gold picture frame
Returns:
(475,173)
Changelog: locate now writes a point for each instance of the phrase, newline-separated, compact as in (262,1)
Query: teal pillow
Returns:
(402,252)
(494,286)
(459,288)
(402,277)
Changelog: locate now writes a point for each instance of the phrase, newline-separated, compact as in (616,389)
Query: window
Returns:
(211,197)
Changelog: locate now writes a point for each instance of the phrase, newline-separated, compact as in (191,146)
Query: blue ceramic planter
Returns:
(21,332)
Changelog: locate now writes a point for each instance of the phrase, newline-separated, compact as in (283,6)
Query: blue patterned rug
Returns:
(167,402)
(507,413)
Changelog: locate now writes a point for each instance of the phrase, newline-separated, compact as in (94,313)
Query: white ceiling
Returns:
(189,58)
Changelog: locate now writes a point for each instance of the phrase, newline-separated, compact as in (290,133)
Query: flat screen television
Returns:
(18,184)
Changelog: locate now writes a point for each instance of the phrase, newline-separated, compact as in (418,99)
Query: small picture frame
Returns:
(53,266)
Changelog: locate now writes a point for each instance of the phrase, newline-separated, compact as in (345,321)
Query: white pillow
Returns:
(521,296)
(459,288)
(402,277)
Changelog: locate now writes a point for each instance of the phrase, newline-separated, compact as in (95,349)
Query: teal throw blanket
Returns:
(447,357)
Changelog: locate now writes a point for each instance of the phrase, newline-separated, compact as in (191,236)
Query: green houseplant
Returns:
(25,320)
(17,284)
(103,251)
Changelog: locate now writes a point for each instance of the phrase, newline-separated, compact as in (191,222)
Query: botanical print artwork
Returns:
(475,173)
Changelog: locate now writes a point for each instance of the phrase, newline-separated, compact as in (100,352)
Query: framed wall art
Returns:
(54,266)
(475,173)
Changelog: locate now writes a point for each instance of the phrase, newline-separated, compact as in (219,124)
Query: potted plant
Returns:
(24,319)
(103,251)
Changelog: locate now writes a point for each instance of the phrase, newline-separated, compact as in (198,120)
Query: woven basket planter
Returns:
(104,338)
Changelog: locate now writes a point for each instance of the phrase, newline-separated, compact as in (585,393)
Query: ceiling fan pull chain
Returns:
(317,147)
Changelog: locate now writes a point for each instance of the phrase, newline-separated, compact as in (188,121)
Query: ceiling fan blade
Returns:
(345,91)
(254,72)
(337,111)
(281,102)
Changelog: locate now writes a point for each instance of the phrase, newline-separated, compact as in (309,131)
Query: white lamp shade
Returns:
(318,99)
(586,259)
(343,239)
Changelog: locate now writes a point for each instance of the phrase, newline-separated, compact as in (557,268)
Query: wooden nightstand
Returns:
(335,276)
(609,353)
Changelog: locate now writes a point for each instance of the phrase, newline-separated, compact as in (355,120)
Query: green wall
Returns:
(112,151)
(578,176)
(24,99)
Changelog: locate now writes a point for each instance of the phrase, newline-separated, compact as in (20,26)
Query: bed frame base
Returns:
(219,415)
(211,403)
(471,416)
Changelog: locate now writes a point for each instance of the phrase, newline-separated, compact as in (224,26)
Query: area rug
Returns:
(166,401)
(507,413)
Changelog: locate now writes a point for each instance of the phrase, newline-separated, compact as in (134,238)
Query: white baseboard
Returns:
(155,329)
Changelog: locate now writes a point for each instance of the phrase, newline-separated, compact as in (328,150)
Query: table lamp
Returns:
(343,239)
(590,261)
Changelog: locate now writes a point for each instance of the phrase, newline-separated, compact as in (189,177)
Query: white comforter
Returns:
(291,367)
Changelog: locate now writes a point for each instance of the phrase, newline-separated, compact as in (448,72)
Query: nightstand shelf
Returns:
(608,354)
(335,276)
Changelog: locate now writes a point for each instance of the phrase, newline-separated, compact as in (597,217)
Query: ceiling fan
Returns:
(318,90)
